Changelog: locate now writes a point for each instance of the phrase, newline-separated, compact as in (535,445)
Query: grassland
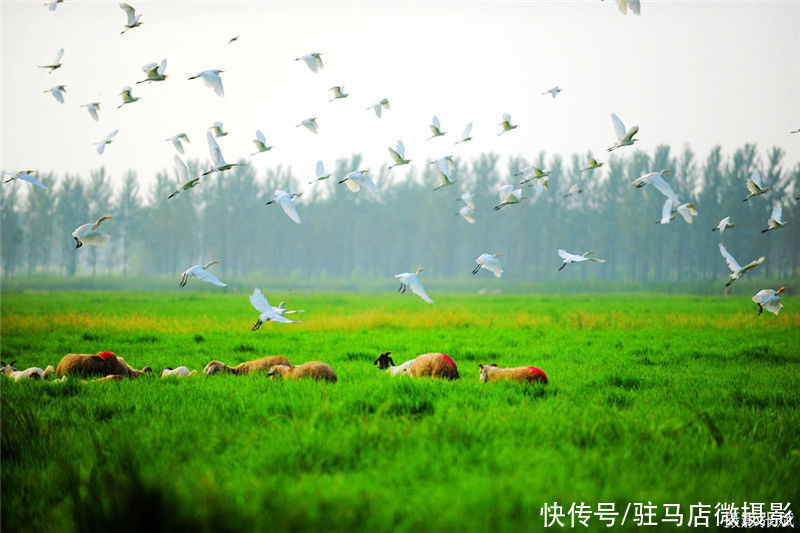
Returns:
(669,399)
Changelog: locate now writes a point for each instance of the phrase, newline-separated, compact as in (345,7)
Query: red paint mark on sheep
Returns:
(539,373)
(448,359)
(105,355)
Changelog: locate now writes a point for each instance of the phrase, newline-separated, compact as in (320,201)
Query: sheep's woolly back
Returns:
(525,374)
(312,370)
(256,365)
(102,364)
(437,365)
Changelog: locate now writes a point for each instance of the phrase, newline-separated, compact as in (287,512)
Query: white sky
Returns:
(691,72)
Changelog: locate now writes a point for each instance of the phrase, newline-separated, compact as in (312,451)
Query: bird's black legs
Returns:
(562,266)
(78,243)
(256,326)
(475,270)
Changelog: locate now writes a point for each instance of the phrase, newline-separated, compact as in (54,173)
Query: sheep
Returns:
(437,365)
(384,362)
(100,364)
(311,370)
(180,372)
(523,374)
(257,365)
(33,372)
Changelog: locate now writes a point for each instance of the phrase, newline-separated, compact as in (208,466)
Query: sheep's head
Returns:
(7,367)
(384,361)
(147,370)
(485,370)
(277,370)
(215,367)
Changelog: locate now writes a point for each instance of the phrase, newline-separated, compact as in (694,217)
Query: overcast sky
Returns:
(702,73)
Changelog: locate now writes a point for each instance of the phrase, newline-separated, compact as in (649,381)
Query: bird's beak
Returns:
(497,255)
(780,290)
(667,170)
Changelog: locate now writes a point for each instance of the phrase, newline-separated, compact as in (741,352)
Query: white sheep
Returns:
(180,372)
(33,372)
(384,362)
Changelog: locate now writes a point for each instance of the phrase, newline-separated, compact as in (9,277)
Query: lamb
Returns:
(33,372)
(180,372)
(436,365)
(257,365)
(523,374)
(100,364)
(385,362)
(312,370)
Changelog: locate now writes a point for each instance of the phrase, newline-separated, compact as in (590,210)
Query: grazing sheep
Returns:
(311,370)
(257,365)
(528,374)
(101,364)
(180,372)
(33,372)
(385,362)
(437,365)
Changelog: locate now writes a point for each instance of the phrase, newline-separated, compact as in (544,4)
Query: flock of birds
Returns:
(509,194)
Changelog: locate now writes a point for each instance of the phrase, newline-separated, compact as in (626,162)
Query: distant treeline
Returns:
(368,236)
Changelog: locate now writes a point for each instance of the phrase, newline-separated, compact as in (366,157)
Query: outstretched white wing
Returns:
(130,12)
(777,213)
(183,172)
(732,264)
(416,287)
(205,275)
(320,169)
(666,211)
(260,302)
(664,188)
(619,127)
(467,131)
(466,212)
(24,176)
(216,153)
(289,209)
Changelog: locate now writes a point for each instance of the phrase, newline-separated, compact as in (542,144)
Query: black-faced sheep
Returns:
(101,364)
(264,364)
(436,365)
(384,362)
(33,372)
(524,374)
(311,370)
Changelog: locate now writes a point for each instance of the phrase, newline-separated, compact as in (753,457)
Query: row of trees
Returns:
(409,225)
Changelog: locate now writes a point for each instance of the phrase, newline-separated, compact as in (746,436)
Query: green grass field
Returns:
(668,399)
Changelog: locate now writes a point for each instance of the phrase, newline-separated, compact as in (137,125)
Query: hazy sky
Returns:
(701,73)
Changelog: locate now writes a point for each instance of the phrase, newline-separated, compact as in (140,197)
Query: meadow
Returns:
(652,398)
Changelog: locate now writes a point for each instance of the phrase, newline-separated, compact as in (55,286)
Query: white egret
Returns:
(217,129)
(687,211)
(506,124)
(57,92)
(466,135)
(185,183)
(176,141)
(593,164)
(212,79)
(133,18)
(768,299)
(436,128)
(399,155)
(92,108)
(736,270)
(724,224)
(216,156)
(572,258)
(127,97)
(754,186)
(310,124)
(490,262)
(89,234)
(468,198)
(410,282)
(573,189)
(466,212)
(443,175)
(321,174)
(154,71)
(775,219)
(285,200)
(56,62)
(655,179)
(261,143)
(625,136)
(24,175)
(552,92)
(201,273)
(540,176)
(508,195)
(795,131)
(338,92)
(268,313)
(379,106)
(354,180)
(101,146)
(313,61)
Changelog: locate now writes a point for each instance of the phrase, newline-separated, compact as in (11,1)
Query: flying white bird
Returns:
(216,156)
(57,92)
(313,61)
(185,183)
(466,135)
(53,5)
(468,198)
(201,273)
(687,211)
(775,219)
(338,92)
(506,124)
(356,179)
(379,106)
(724,224)
(89,234)
(285,200)
(573,189)
(466,212)
(56,62)
(508,195)
(490,262)
(625,136)
(261,143)
(410,282)
(321,174)
(217,129)
(666,212)
(310,124)
(541,177)
(769,299)
(101,146)
(795,131)
(593,164)
(436,128)
(572,258)
(443,175)
(268,313)
(754,186)
(552,92)
(24,175)
(154,71)
(399,155)
(127,97)
(92,108)
(176,141)
(212,79)
(736,270)
(623,6)
(655,179)
(133,18)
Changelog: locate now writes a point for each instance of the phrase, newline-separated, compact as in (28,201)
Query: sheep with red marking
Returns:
(315,370)
(100,364)
(264,364)
(435,365)
(522,374)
